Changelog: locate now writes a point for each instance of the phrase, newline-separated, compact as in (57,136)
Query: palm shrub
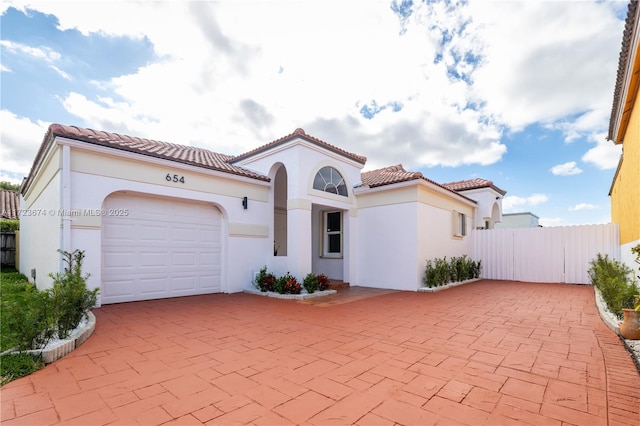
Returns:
(615,281)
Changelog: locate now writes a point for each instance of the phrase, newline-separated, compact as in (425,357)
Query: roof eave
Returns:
(628,76)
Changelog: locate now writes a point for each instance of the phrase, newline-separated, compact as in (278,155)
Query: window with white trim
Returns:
(459,224)
(328,179)
(332,230)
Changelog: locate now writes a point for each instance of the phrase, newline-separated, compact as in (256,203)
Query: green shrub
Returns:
(439,272)
(615,281)
(26,318)
(279,284)
(70,298)
(310,283)
(264,280)
(9,225)
(31,317)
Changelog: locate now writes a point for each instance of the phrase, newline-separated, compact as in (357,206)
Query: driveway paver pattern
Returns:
(490,352)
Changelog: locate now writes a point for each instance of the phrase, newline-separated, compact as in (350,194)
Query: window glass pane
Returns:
(333,222)
(329,179)
(318,182)
(334,243)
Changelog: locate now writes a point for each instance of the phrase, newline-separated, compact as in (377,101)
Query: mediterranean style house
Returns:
(159,220)
(624,129)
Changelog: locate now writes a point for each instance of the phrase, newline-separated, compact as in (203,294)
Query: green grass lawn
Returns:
(13,366)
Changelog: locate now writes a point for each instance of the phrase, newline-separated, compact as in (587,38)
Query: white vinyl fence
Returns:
(556,255)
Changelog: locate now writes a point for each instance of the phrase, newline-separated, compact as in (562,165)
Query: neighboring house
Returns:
(519,220)
(10,204)
(161,220)
(624,129)
(488,196)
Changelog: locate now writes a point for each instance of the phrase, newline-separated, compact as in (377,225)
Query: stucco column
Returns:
(299,237)
(350,244)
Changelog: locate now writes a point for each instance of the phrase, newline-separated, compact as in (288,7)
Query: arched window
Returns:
(330,180)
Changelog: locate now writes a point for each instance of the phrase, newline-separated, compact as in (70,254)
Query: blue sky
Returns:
(514,92)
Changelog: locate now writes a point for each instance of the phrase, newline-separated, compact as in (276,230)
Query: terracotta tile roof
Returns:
(476,183)
(396,174)
(300,133)
(10,202)
(194,156)
(631,27)
(388,176)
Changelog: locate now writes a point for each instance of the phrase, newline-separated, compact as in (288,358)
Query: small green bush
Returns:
(439,272)
(265,280)
(70,298)
(615,281)
(31,317)
(26,318)
(279,284)
(310,283)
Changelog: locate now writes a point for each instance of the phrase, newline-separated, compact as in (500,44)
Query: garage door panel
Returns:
(211,282)
(154,233)
(209,259)
(116,289)
(120,232)
(184,259)
(117,260)
(184,283)
(211,235)
(151,259)
(164,248)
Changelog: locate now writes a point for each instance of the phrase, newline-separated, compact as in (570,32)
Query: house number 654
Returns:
(174,178)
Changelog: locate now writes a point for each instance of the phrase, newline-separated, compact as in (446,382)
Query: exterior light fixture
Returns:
(245,202)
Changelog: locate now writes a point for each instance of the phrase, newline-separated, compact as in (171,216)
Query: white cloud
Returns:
(21,139)
(511,203)
(583,206)
(60,72)
(42,53)
(605,155)
(233,80)
(566,169)
(521,79)
(4,68)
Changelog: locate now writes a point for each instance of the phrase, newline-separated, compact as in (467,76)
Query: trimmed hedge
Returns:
(439,272)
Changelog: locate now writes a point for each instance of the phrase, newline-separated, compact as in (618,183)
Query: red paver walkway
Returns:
(496,353)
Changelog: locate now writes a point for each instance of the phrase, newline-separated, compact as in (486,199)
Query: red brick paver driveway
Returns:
(485,353)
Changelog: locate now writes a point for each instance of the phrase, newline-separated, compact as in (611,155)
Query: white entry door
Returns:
(154,247)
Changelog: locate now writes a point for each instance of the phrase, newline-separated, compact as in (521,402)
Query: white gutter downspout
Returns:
(66,199)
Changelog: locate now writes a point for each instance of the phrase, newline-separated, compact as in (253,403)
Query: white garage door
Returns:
(154,248)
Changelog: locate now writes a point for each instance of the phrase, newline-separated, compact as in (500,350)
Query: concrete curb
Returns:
(301,296)
(447,286)
(602,310)
(76,338)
